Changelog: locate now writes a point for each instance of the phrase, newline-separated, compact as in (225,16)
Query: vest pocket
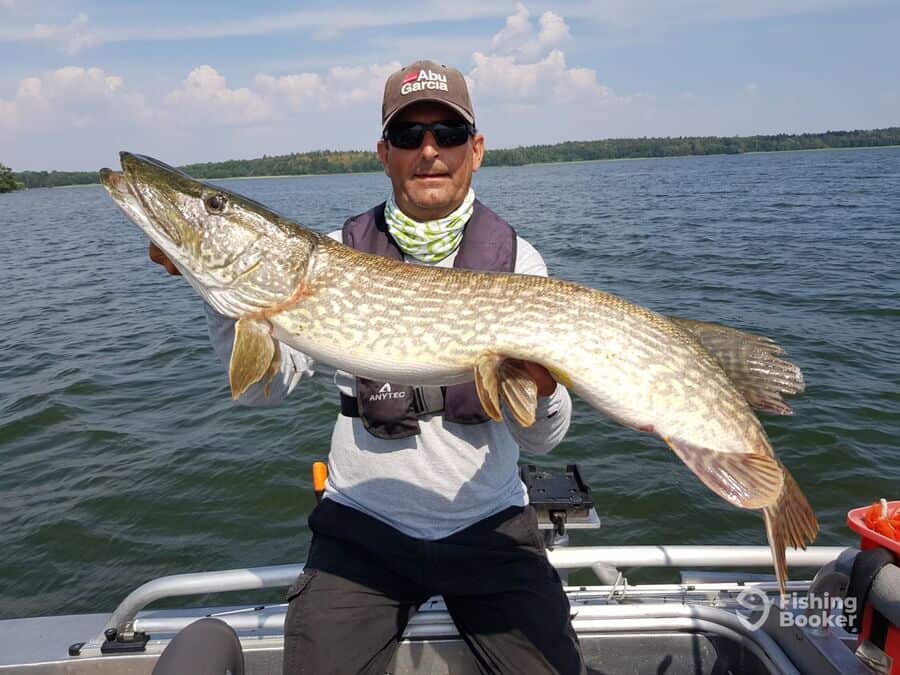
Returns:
(387,410)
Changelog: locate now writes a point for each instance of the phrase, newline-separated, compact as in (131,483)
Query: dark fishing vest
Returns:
(392,410)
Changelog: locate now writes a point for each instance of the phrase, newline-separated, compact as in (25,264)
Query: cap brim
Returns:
(433,99)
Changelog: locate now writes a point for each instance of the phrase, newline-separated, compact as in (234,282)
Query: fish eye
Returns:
(215,203)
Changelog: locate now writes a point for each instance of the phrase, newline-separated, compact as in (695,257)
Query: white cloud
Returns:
(527,64)
(324,23)
(71,97)
(549,79)
(299,91)
(661,15)
(84,97)
(654,15)
(517,37)
(523,83)
(518,29)
(527,67)
(554,30)
(204,96)
(70,37)
(80,33)
(339,86)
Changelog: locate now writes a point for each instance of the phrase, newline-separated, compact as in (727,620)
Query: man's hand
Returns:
(542,378)
(157,256)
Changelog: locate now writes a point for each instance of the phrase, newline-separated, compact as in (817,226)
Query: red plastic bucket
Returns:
(871,539)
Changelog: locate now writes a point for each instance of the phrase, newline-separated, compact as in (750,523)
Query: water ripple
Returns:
(124,458)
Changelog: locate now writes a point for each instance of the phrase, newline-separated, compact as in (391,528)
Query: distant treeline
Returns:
(627,148)
(355,161)
(36,179)
(8,181)
(320,161)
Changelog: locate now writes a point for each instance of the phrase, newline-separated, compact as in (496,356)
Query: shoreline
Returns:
(507,166)
(717,154)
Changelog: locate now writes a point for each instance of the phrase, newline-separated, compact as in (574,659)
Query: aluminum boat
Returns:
(730,620)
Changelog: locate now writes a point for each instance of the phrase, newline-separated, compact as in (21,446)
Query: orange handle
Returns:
(319,475)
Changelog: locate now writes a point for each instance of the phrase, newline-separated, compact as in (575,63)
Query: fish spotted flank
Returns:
(690,383)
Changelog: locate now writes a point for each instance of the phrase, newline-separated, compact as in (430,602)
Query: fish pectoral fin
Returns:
(497,376)
(487,384)
(519,391)
(751,363)
(273,370)
(252,355)
(748,480)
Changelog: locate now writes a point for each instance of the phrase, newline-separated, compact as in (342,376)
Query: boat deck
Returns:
(702,625)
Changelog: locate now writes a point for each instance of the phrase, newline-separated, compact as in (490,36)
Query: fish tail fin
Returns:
(789,522)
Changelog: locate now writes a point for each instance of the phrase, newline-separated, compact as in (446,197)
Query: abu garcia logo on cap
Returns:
(421,80)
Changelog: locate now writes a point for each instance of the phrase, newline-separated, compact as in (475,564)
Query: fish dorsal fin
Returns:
(252,355)
(497,376)
(751,363)
(748,480)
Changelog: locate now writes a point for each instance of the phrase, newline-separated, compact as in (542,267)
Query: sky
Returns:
(208,81)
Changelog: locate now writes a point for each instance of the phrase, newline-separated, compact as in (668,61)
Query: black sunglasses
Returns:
(409,135)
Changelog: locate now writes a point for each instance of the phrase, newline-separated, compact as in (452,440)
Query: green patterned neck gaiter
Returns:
(433,240)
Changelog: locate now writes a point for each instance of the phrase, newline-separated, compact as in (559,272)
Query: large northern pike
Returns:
(691,383)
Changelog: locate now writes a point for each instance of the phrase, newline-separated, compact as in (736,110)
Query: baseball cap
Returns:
(426,81)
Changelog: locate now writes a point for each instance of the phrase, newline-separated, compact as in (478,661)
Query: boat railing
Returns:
(121,625)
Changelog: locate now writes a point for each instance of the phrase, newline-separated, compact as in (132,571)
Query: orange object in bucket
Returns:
(877,525)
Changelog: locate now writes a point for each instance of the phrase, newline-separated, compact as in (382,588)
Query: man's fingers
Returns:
(157,256)
(542,378)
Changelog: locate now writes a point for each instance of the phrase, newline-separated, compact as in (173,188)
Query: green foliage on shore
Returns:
(628,148)
(36,179)
(319,162)
(8,181)
(355,161)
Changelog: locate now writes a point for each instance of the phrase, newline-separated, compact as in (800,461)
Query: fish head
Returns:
(240,256)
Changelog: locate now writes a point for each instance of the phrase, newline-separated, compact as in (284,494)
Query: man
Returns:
(423,495)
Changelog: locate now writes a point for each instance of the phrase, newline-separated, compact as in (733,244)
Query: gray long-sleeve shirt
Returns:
(438,482)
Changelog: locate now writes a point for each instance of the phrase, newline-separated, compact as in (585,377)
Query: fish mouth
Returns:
(129,188)
(114,181)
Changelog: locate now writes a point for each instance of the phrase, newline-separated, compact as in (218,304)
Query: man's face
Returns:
(430,181)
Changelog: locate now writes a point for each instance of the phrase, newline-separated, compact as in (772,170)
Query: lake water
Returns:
(122,457)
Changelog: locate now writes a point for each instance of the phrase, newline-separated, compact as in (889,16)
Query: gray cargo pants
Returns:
(364,580)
